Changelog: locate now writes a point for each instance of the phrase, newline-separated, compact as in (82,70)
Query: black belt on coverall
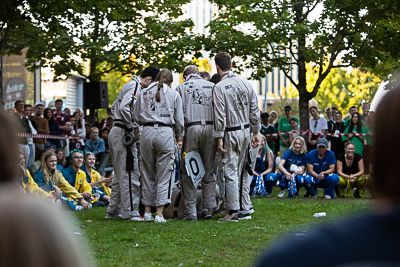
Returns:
(237,128)
(199,123)
(157,124)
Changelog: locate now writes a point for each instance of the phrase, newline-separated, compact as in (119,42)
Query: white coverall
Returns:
(235,111)
(124,191)
(197,106)
(161,121)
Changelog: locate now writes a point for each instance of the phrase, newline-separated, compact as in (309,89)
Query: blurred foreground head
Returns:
(8,149)
(386,182)
(34,234)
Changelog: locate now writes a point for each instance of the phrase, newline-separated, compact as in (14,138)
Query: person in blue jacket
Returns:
(320,171)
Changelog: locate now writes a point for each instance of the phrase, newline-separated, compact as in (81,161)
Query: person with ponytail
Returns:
(159,110)
(51,180)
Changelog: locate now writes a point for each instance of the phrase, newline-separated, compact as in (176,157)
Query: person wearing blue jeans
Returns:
(321,166)
(292,166)
(264,167)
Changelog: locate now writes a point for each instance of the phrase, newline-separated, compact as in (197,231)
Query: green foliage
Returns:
(291,34)
(113,243)
(93,38)
(342,89)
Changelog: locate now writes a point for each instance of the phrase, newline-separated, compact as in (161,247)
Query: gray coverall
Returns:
(236,114)
(124,191)
(161,121)
(244,185)
(197,106)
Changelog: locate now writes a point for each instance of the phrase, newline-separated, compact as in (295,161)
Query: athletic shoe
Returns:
(159,219)
(191,217)
(148,217)
(112,216)
(137,219)
(356,194)
(251,211)
(230,218)
(244,216)
(307,194)
(327,197)
(207,214)
(281,194)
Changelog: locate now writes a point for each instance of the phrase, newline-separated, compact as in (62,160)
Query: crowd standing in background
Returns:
(244,152)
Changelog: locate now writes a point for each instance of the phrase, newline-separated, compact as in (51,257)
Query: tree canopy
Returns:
(106,35)
(291,34)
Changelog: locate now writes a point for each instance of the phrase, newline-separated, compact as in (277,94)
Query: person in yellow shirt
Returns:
(27,183)
(93,177)
(51,180)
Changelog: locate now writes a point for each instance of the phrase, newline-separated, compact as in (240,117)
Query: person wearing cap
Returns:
(125,185)
(42,127)
(367,239)
(284,126)
(197,107)
(320,171)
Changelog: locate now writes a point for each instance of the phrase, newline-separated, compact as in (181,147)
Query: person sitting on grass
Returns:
(61,162)
(350,167)
(320,171)
(77,178)
(27,183)
(99,184)
(370,239)
(51,180)
(296,155)
(264,167)
(95,144)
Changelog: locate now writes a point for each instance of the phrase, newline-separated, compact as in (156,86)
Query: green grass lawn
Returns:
(208,243)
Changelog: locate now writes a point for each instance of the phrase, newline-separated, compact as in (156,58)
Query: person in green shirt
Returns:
(267,127)
(355,127)
(284,126)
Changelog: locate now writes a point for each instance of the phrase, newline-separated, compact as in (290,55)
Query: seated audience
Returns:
(95,144)
(75,176)
(296,155)
(320,171)
(99,184)
(51,180)
(61,161)
(27,183)
(350,167)
(264,168)
(369,239)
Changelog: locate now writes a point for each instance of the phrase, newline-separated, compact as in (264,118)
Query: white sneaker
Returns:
(137,219)
(159,219)
(281,194)
(327,197)
(148,217)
